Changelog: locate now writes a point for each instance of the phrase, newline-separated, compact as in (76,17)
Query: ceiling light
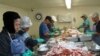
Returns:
(68,3)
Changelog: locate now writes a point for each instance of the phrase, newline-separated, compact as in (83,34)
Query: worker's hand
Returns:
(51,34)
(78,28)
(40,40)
(28,53)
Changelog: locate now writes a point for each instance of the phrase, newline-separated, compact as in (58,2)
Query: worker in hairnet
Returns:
(25,25)
(29,41)
(85,25)
(96,30)
(25,37)
(95,19)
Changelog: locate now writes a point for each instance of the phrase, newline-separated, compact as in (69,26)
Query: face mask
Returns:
(94,28)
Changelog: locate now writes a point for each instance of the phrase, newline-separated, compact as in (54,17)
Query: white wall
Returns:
(34,30)
(76,12)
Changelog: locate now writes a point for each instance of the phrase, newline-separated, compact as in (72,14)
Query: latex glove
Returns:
(28,53)
(40,40)
(34,54)
(51,34)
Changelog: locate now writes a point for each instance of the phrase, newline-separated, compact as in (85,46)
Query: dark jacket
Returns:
(96,39)
(5,48)
(29,41)
(9,18)
(98,27)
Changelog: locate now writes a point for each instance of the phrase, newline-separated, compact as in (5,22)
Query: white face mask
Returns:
(94,28)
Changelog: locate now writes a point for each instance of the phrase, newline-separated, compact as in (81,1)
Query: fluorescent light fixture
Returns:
(68,3)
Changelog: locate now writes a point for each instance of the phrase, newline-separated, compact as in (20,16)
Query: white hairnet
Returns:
(95,15)
(26,22)
(54,18)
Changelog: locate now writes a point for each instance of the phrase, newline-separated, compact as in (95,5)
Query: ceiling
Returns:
(28,4)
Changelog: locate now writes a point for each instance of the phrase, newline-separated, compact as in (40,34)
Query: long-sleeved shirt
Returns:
(85,25)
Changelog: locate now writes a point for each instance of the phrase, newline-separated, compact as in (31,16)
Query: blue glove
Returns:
(40,40)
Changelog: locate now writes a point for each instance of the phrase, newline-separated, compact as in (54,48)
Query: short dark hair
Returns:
(84,16)
(49,18)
